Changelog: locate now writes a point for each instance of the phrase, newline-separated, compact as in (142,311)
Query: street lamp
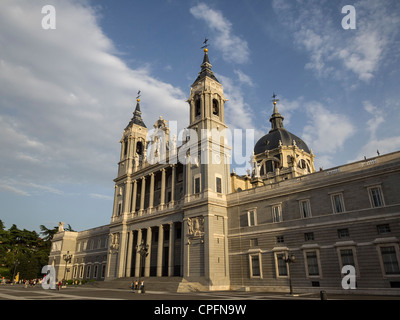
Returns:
(289,258)
(67,258)
(142,249)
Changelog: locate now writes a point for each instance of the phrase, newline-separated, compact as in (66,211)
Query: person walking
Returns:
(142,287)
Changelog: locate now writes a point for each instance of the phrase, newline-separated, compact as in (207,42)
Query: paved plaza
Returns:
(87,292)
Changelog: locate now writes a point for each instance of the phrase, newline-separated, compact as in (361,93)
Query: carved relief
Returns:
(114,246)
(195,226)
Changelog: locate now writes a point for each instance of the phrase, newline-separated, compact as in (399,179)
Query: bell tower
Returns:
(132,158)
(207,125)
(207,179)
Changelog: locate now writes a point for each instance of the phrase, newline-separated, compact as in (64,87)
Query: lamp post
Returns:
(142,249)
(67,258)
(289,258)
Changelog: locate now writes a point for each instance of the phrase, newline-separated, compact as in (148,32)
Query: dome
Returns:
(278,135)
(271,141)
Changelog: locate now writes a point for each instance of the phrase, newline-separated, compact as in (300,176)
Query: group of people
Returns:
(135,286)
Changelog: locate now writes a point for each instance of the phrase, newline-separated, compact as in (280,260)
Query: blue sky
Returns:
(67,94)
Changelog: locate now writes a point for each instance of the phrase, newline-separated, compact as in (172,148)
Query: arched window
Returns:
(139,148)
(197,110)
(215,107)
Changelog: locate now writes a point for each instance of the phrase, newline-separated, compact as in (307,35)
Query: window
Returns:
(375,194)
(218,182)
(389,260)
(281,265)
(337,203)
(309,236)
(279,239)
(251,218)
(383,228)
(347,257)
(215,107)
(343,233)
(305,209)
(89,267)
(197,185)
(197,107)
(255,266)
(95,271)
(276,213)
(103,271)
(312,263)
(253,242)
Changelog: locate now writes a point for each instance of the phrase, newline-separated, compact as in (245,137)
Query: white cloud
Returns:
(326,131)
(333,51)
(233,48)
(65,96)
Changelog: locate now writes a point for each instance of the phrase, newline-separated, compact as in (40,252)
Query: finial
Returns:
(138,96)
(274,100)
(205,45)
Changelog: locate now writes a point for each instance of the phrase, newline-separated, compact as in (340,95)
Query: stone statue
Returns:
(61,226)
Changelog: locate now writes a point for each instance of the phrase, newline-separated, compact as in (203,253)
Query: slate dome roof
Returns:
(271,141)
(278,133)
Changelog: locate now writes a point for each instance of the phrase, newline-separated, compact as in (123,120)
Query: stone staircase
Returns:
(160,284)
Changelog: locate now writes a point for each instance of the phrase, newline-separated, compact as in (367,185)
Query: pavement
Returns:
(88,292)
(92,301)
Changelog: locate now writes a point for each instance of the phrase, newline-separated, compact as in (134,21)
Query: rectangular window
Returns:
(251,218)
(312,263)
(119,209)
(376,197)
(343,233)
(95,272)
(276,214)
(218,185)
(309,236)
(389,259)
(253,242)
(282,266)
(383,228)
(255,265)
(337,203)
(305,209)
(280,239)
(347,257)
(197,185)
(103,271)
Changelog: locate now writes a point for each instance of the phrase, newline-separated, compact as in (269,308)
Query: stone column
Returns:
(160,250)
(134,196)
(151,202)
(173,183)
(129,255)
(142,194)
(127,196)
(147,262)
(171,251)
(137,263)
(162,201)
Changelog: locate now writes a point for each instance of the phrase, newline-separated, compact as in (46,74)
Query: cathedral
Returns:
(180,213)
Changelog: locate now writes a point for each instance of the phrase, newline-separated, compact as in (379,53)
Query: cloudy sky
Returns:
(66,94)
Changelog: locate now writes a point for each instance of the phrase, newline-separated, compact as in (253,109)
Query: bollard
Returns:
(323,295)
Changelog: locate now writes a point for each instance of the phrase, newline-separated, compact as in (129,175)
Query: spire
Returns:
(206,68)
(137,116)
(276,118)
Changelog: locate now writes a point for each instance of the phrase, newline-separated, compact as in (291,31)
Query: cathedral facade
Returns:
(180,212)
